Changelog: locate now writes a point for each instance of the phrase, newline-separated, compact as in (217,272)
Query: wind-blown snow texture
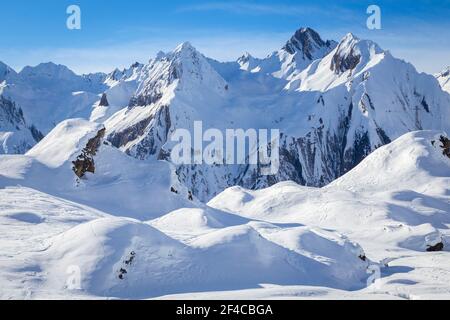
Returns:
(363,184)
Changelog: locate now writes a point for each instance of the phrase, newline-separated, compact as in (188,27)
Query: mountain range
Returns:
(86,177)
(334,103)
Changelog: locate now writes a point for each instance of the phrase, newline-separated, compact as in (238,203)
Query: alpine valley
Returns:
(92,205)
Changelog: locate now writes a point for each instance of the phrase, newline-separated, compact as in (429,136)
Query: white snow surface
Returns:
(132,230)
(284,242)
(444,79)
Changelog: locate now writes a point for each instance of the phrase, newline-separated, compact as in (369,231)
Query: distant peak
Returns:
(245,57)
(308,41)
(47,68)
(185,46)
(136,65)
(351,51)
(445,73)
(5,70)
(160,55)
(350,37)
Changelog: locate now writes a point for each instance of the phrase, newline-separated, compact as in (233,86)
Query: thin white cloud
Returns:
(253,8)
(107,57)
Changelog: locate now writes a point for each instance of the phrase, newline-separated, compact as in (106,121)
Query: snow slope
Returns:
(287,241)
(444,79)
(50,93)
(97,210)
(120,185)
(16,137)
(391,204)
(339,103)
(304,47)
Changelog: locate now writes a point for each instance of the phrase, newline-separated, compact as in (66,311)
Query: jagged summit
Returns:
(5,71)
(300,50)
(307,41)
(444,79)
(185,46)
(351,51)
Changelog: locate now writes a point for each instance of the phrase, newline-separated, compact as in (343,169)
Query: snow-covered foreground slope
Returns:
(118,184)
(395,204)
(287,241)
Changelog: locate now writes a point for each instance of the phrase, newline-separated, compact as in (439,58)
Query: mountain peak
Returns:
(48,69)
(246,57)
(350,37)
(185,46)
(307,41)
(5,70)
(351,51)
(445,72)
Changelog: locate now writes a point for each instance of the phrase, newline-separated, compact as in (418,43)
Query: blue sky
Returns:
(117,33)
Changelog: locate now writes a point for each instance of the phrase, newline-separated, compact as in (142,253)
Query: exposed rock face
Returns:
(15,135)
(85,161)
(307,41)
(444,79)
(104,101)
(445,145)
(341,64)
(329,120)
(151,132)
(10,113)
(346,56)
(436,248)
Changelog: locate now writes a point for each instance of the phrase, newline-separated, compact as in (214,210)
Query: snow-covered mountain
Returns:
(339,103)
(444,79)
(297,241)
(16,137)
(75,162)
(304,47)
(122,85)
(50,93)
(362,191)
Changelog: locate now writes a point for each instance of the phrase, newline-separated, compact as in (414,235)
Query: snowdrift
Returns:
(128,259)
(119,185)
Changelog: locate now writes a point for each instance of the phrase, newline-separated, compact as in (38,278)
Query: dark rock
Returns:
(305,40)
(104,101)
(85,161)
(445,145)
(425,105)
(37,135)
(342,63)
(436,248)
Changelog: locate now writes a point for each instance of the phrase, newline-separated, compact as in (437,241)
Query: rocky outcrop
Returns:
(306,40)
(437,247)
(343,63)
(104,101)
(152,132)
(85,161)
(16,137)
(434,242)
(445,145)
